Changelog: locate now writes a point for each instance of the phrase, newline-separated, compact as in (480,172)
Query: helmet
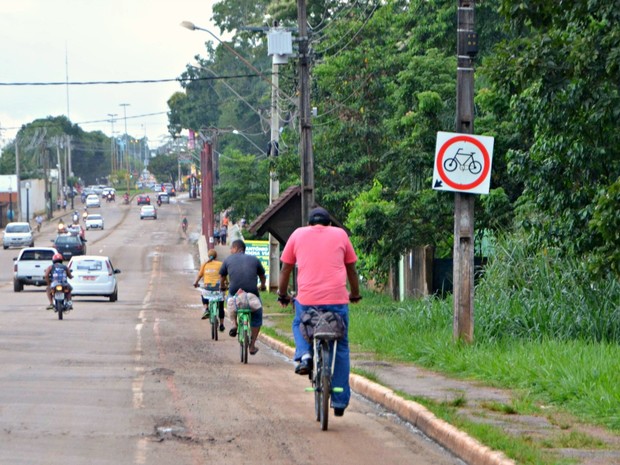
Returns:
(212,254)
(57,257)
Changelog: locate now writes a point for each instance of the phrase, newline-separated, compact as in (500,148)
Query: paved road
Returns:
(139,382)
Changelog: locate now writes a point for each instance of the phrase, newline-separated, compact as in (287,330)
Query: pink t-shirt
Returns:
(320,253)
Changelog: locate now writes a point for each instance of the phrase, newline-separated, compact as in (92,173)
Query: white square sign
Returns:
(463,163)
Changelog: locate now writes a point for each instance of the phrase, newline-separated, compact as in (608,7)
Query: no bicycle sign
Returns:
(463,163)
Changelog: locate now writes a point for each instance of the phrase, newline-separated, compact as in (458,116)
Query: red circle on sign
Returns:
(485,155)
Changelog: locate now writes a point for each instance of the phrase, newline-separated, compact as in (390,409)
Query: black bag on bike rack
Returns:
(321,323)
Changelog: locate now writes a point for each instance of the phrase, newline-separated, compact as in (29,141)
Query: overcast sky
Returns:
(96,40)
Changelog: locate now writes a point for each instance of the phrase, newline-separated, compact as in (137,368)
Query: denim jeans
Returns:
(340,377)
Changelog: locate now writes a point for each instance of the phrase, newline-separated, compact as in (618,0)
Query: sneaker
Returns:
(338,411)
(205,315)
(70,305)
(49,307)
(222,328)
(303,367)
(233,332)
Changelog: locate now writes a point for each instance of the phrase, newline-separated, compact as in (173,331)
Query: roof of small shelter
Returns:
(282,217)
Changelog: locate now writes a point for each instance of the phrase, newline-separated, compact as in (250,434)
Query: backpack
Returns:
(59,274)
(321,323)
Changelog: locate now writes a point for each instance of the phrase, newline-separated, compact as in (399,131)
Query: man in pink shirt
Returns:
(325,260)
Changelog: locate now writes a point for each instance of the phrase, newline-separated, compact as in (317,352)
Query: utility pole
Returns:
(305,123)
(18,175)
(463,267)
(112,143)
(206,172)
(126,145)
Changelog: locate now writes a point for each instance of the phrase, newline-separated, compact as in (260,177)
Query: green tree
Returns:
(560,73)
(244,185)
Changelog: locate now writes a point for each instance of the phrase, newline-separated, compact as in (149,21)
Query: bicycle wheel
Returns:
(316,384)
(213,329)
(450,164)
(326,386)
(246,344)
(475,167)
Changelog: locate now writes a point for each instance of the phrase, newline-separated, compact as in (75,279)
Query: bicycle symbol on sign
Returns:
(468,163)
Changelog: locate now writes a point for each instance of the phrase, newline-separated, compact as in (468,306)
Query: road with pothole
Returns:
(139,381)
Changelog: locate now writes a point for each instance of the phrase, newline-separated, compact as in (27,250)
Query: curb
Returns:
(459,443)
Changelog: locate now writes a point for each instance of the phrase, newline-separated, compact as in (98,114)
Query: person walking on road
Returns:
(242,272)
(325,260)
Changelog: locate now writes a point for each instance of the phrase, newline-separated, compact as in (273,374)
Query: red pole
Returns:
(206,164)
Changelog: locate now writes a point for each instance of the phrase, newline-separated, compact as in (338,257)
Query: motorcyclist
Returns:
(158,201)
(57,273)
(126,198)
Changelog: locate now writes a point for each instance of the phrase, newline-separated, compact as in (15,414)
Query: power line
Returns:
(137,81)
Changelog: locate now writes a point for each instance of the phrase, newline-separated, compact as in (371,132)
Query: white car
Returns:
(94,275)
(148,211)
(17,235)
(94,221)
(92,200)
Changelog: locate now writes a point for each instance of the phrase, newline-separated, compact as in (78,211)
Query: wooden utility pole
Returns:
(305,122)
(206,171)
(463,268)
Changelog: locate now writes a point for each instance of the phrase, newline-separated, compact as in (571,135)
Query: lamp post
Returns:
(235,131)
(9,214)
(27,186)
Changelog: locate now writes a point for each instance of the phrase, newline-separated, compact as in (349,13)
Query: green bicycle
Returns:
(215,298)
(244,332)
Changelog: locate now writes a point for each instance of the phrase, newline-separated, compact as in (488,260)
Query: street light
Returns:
(192,27)
(235,131)
(27,186)
(9,214)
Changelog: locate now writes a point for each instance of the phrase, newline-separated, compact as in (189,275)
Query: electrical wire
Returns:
(137,81)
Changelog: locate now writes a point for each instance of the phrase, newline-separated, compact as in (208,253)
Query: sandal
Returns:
(232,332)
(253,352)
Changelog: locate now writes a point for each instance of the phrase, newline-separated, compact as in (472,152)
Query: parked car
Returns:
(92,200)
(143,200)
(17,235)
(29,266)
(94,221)
(94,275)
(148,211)
(163,198)
(69,245)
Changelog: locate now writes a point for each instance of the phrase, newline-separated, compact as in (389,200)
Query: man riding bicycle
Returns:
(325,260)
(243,271)
(184,224)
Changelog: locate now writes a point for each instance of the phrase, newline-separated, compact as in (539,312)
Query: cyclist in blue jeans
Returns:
(325,261)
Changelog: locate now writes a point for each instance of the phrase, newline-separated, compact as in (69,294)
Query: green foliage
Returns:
(559,72)
(164,167)
(605,226)
(536,294)
(243,187)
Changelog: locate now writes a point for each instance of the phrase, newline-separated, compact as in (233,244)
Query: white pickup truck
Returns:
(30,266)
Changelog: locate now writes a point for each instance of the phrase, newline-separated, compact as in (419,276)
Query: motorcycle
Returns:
(60,300)
(125,199)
